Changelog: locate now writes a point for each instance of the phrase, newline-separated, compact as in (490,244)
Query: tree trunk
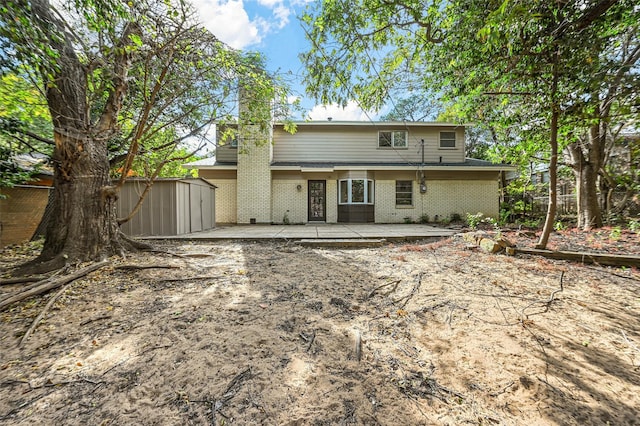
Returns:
(553,162)
(585,158)
(83,224)
(589,213)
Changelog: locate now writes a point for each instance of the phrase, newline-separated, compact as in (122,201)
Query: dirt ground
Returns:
(274,333)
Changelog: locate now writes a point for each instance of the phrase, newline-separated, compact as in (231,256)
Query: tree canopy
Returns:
(122,81)
(542,72)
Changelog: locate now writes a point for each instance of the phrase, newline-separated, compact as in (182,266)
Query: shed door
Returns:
(317,200)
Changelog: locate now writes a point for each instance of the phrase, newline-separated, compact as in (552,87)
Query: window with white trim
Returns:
(392,139)
(355,191)
(447,139)
(404,193)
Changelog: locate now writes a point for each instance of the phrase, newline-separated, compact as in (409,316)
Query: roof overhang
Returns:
(211,166)
(399,167)
(376,124)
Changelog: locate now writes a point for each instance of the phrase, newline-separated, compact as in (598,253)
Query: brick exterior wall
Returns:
(20,213)
(253,195)
(288,200)
(443,197)
(226,198)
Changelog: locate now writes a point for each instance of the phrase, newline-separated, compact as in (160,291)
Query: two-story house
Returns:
(331,171)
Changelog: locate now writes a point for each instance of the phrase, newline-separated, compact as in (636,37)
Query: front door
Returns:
(317,200)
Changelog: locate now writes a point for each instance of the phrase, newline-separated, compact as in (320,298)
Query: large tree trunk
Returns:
(585,158)
(83,224)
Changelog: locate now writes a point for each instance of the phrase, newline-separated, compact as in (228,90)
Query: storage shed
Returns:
(172,207)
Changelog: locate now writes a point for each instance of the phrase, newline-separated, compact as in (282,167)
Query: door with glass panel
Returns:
(317,200)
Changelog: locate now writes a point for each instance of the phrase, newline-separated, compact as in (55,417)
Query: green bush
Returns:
(473,220)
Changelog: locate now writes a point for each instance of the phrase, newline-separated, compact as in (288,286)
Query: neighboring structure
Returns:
(172,207)
(22,206)
(386,172)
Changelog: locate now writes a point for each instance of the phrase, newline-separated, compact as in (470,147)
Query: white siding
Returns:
(360,144)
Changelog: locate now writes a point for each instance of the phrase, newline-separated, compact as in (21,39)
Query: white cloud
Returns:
(229,21)
(269,3)
(352,112)
(282,14)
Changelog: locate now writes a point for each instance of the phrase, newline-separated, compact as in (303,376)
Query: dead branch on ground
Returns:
(100,318)
(132,267)
(626,339)
(546,303)
(231,391)
(46,308)
(198,255)
(47,285)
(20,280)
(392,283)
(200,277)
(408,297)
(309,339)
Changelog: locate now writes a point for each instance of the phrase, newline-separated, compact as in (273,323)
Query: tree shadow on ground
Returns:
(568,361)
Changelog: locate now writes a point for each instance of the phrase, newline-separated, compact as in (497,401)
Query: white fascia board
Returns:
(399,168)
(225,167)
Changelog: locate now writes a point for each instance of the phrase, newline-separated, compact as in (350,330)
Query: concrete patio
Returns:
(389,232)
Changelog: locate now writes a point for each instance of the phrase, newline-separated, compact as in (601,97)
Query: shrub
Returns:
(473,220)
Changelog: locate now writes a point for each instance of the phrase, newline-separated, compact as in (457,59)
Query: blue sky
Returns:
(271,27)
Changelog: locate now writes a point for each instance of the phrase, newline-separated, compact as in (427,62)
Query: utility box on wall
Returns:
(172,207)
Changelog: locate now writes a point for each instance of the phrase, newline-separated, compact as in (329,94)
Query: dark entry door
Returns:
(317,200)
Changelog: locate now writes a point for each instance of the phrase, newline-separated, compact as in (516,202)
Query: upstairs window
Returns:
(447,139)
(392,139)
(404,193)
(356,191)
(226,136)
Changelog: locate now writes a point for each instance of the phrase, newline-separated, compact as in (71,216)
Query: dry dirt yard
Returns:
(278,334)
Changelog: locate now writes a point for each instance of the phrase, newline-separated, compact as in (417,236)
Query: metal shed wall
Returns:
(172,207)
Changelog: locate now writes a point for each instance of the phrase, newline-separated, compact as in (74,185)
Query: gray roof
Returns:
(335,123)
(211,161)
(469,162)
